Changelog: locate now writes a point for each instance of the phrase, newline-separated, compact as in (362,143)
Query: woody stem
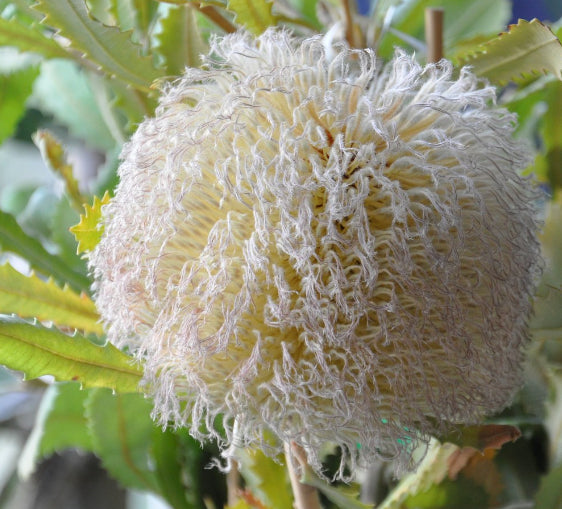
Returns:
(306,497)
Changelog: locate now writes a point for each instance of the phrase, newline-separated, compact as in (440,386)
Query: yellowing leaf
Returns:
(255,15)
(31,297)
(55,158)
(88,231)
(527,47)
(265,478)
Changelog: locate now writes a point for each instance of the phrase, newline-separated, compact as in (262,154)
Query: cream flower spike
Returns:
(321,249)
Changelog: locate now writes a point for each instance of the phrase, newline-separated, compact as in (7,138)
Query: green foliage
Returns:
(102,61)
(178,459)
(551,132)
(29,38)
(106,47)
(88,231)
(38,351)
(527,47)
(550,494)
(15,240)
(345,497)
(60,424)
(29,296)
(254,15)
(179,40)
(460,494)
(65,91)
(55,158)
(121,430)
(15,88)
(117,428)
(462,20)
(266,478)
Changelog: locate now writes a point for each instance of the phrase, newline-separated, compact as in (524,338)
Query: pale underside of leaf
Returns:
(528,47)
(38,351)
(31,297)
(27,38)
(107,47)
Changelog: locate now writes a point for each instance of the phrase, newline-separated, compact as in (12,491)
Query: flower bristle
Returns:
(313,244)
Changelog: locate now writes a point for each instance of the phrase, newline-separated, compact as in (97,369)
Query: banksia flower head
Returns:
(321,249)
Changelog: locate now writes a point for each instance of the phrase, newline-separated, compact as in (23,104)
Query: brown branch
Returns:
(348,16)
(233,484)
(306,497)
(216,17)
(434,34)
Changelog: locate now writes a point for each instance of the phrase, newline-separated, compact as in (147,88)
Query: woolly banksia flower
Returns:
(310,246)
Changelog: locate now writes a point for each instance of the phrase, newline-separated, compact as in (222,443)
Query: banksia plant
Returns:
(310,245)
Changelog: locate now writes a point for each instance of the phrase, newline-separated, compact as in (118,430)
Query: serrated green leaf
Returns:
(254,15)
(549,495)
(178,460)
(101,10)
(31,297)
(121,430)
(15,240)
(89,230)
(64,217)
(108,47)
(38,351)
(55,158)
(144,12)
(60,424)
(15,88)
(527,48)
(266,478)
(29,38)
(178,40)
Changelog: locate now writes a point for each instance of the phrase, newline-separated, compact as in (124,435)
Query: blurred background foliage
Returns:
(76,78)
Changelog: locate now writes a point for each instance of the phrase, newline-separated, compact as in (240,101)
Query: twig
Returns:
(216,17)
(306,497)
(233,484)
(434,34)
(349,11)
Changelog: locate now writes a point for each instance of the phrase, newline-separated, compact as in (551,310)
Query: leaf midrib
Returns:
(34,298)
(515,56)
(76,359)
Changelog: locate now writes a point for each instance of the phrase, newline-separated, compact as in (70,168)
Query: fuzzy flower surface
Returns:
(310,245)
